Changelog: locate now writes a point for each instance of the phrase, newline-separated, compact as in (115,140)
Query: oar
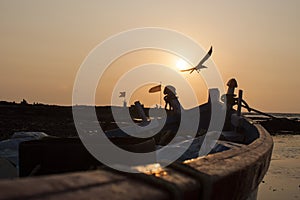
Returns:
(259,112)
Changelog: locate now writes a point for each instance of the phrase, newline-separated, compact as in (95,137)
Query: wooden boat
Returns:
(232,170)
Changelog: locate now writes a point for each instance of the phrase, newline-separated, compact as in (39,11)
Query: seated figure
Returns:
(171,99)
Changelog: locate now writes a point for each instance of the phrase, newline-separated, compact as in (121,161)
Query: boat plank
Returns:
(85,185)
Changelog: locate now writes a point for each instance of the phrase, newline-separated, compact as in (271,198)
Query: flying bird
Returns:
(200,65)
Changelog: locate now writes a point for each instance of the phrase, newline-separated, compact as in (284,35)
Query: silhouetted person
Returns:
(173,116)
(24,102)
(171,99)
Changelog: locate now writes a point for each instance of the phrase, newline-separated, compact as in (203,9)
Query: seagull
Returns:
(200,65)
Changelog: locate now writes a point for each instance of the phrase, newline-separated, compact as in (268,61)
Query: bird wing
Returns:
(205,58)
(185,70)
(192,70)
(200,65)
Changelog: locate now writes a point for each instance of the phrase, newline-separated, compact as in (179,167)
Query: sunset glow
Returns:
(181,64)
(44,44)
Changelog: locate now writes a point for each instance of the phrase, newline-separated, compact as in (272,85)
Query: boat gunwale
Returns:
(218,171)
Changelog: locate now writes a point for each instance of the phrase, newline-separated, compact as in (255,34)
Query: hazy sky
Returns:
(43,43)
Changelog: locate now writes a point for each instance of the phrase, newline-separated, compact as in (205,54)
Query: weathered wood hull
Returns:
(231,174)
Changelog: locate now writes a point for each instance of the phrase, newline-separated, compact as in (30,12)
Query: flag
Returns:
(122,94)
(155,89)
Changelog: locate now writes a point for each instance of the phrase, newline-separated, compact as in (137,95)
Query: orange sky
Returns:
(43,43)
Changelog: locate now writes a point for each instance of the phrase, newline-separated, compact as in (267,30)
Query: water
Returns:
(282,180)
(279,115)
(287,115)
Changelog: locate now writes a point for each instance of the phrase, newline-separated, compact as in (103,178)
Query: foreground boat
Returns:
(232,170)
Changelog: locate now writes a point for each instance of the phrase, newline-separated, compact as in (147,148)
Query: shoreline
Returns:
(58,120)
(282,180)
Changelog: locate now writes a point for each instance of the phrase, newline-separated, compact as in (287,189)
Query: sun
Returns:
(181,64)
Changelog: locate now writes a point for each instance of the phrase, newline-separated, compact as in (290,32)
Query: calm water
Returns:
(282,180)
(283,115)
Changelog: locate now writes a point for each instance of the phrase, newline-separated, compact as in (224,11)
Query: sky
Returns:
(44,43)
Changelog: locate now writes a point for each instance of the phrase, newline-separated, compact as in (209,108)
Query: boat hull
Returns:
(231,174)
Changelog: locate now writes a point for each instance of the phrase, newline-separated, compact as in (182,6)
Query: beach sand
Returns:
(282,180)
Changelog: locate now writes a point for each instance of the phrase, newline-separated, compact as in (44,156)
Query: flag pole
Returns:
(124,102)
(160,95)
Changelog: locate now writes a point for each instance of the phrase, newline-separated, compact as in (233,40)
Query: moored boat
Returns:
(233,169)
